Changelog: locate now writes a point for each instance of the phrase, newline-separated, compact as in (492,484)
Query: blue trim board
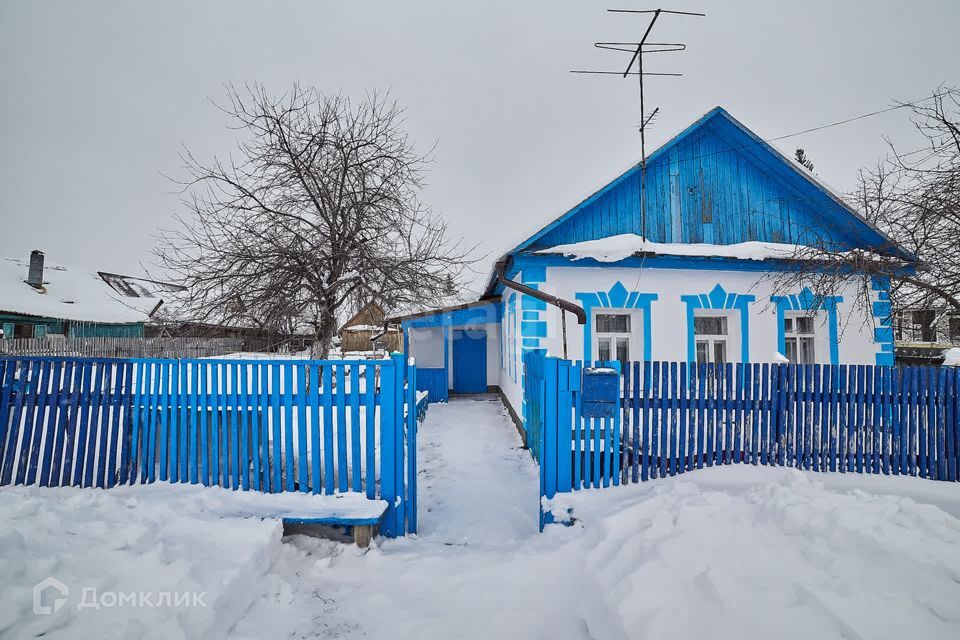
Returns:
(616,298)
(488,313)
(807,301)
(718,298)
(883,318)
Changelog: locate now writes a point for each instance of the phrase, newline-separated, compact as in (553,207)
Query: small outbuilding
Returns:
(358,333)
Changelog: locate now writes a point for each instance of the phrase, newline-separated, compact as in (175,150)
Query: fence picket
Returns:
(355,458)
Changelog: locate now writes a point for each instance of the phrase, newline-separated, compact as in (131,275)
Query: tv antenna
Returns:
(637,51)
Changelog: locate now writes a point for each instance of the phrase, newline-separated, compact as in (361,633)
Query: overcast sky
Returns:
(98,97)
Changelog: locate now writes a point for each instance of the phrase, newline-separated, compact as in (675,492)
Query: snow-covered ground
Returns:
(734,551)
(737,552)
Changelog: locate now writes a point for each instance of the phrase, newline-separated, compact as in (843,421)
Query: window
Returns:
(613,337)
(924,325)
(799,338)
(955,329)
(710,333)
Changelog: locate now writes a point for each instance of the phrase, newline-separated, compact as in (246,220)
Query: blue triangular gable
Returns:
(716,182)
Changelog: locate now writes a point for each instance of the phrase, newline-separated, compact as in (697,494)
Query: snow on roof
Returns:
(68,293)
(620,247)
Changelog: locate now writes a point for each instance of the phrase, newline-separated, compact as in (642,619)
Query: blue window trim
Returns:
(883,316)
(807,301)
(616,298)
(718,298)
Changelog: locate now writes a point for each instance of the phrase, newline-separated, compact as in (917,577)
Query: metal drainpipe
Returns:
(560,303)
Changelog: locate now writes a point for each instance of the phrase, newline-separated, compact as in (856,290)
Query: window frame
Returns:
(792,333)
(711,341)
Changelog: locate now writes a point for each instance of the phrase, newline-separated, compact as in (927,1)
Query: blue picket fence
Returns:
(260,425)
(677,417)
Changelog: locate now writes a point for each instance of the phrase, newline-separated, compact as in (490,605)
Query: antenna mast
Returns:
(638,49)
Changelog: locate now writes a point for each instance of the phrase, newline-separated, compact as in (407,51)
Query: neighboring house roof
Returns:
(714,184)
(68,293)
(369,315)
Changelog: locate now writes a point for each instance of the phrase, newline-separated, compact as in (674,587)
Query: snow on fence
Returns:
(109,347)
(676,417)
(262,425)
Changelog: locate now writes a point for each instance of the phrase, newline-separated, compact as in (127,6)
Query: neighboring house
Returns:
(922,335)
(724,210)
(357,333)
(39,299)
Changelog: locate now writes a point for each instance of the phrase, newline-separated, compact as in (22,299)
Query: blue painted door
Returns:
(469,361)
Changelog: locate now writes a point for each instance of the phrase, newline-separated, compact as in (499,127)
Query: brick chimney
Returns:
(35,275)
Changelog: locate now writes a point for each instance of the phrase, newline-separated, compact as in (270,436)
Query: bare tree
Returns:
(316,212)
(914,198)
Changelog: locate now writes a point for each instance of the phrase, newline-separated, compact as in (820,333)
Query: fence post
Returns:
(411,446)
(400,482)
(549,458)
(388,426)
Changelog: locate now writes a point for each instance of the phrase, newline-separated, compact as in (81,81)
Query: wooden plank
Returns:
(148,464)
(635,404)
(656,422)
(328,427)
(28,418)
(20,392)
(565,370)
(930,423)
(356,458)
(686,433)
(672,396)
(183,428)
(412,425)
(876,415)
(907,422)
(763,445)
(39,419)
(203,408)
(130,438)
(263,426)
(898,446)
(162,407)
(551,425)
(108,450)
(950,418)
(50,428)
(860,417)
(88,423)
(193,410)
(341,429)
(7,380)
(646,443)
(244,379)
(50,476)
(275,425)
(233,410)
(710,402)
(917,390)
(940,468)
(122,436)
(173,426)
(370,413)
(255,400)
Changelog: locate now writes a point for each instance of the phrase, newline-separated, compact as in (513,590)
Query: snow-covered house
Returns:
(39,299)
(690,282)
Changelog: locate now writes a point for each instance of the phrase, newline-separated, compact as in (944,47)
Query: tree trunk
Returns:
(323,338)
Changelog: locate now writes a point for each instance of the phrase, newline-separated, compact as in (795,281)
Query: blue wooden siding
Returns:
(714,183)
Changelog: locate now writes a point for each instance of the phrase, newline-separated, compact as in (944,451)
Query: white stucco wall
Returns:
(668,313)
(510,379)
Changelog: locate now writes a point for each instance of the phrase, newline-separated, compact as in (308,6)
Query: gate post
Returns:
(412,425)
(388,429)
